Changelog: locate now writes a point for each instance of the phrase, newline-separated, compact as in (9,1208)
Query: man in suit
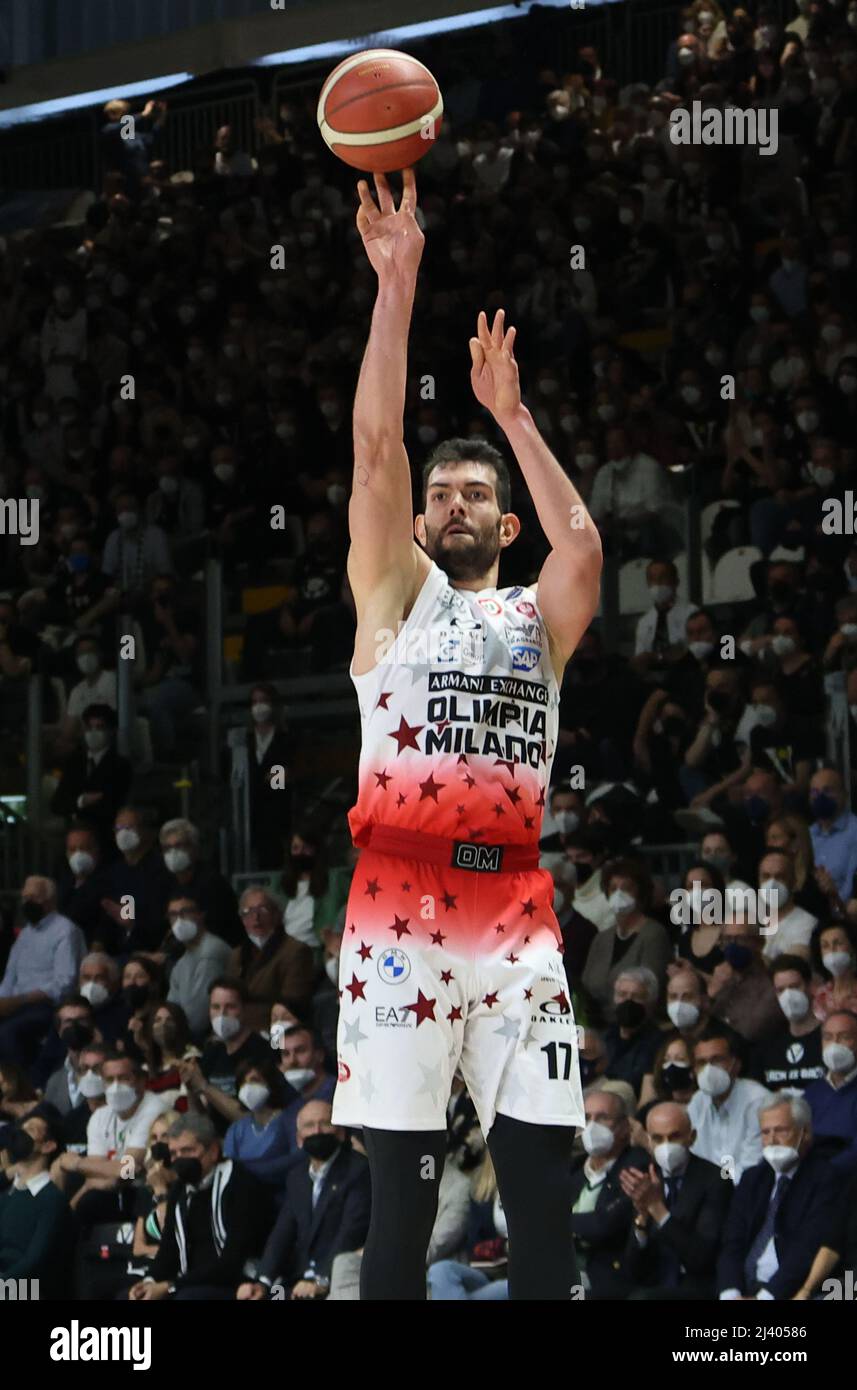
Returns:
(325,1212)
(680,1208)
(601,1212)
(95,779)
(781,1212)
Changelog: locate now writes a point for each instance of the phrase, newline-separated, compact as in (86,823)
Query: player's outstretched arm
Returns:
(570,578)
(380,512)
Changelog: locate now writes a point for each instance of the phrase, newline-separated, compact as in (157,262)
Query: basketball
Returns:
(380,110)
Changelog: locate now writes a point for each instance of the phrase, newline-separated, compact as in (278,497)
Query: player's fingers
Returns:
(482,331)
(409,192)
(367,202)
(509,340)
(497,329)
(385,194)
(477,354)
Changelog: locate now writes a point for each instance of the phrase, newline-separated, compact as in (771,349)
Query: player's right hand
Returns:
(393,239)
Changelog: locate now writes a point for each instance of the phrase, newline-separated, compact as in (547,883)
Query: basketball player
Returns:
(451,953)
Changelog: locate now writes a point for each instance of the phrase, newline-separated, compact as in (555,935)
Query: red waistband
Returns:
(455,854)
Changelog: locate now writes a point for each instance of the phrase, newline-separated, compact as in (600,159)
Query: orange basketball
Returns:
(380,110)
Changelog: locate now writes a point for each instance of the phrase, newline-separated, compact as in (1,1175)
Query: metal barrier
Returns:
(669,862)
(192,124)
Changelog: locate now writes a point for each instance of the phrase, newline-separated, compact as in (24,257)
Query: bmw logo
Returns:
(393,966)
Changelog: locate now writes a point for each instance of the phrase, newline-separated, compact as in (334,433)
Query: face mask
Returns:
(94,993)
(258,939)
(620,902)
(701,650)
(331,969)
(20,1146)
(779,592)
(566,822)
(81,863)
(683,1015)
(187,313)
(837,962)
(780,1156)
(284,431)
(253,1095)
(823,476)
(838,1057)
(823,805)
(188,1171)
(585,460)
(738,956)
(302,863)
(177,860)
(781,645)
(169,484)
(759,313)
(135,996)
(661,593)
(87,663)
(127,840)
(120,1096)
(606,413)
(95,739)
(677,1076)
(225,1026)
(686,56)
(336,494)
(260,713)
(807,421)
(626,216)
(90,1085)
(714,1080)
(715,242)
(723,862)
(224,472)
(299,1077)
(321,1146)
(671,1158)
(329,409)
(184,930)
(78,564)
(775,891)
(630,1014)
(584,872)
(848,385)
(794,1003)
(127,520)
(33,911)
(597,1139)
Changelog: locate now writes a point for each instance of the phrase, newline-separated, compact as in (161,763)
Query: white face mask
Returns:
(775,891)
(94,993)
(225,1026)
(781,645)
(838,1057)
(95,740)
(585,460)
(168,484)
(566,821)
(176,860)
(127,520)
(837,962)
(336,493)
(807,420)
(671,1158)
(682,1014)
(661,593)
(80,862)
(120,1096)
(794,1003)
(597,1139)
(224,472)
(626,216)
(781,1157)
(184,930)
(299,1077)
(254,1095)
(258,939)
(260,713)
(700,650)
(620,902)
(127,840)
(759,313)
(714,1080)
(765,715)
(823,476)
(90,1085)
(331,969)
(87,663)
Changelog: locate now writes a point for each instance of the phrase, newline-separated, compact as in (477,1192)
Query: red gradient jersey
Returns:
(459,718)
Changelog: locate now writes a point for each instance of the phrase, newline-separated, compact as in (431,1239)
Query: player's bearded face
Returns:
(465,556)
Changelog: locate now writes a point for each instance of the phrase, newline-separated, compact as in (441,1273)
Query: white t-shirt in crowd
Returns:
(108,1135)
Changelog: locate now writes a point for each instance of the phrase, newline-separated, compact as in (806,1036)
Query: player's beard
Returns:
(465,558)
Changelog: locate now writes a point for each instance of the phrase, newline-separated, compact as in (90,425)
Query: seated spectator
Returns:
(270,963)
(629,497)
(680,1205)
(717,849)
(138,876)
(215,1221)
(660,740)
(313,893)
(578,932)
(601,1213)
(89,1088)
(833,1100)
(791,833)
(96,687)
(660,636)
(760,797)
(637,939)
(75,1029)
(17,1093)
(98,983)
(672,1076)
(204,958)
(211,1082)
(151,1206)
(486,1246)
(142,986)
(834,830)
(687,677)
(781,1211)
(325,1211)
(186,873)
(587,850)
(324,1006)
(230,161)
(302,1065)
(171,680)
(688,1005)
(72,1008)
(836,961)
(793,926)
(262,1138)
(699,944)
(42,966)
(567,812)
(724,1110)
(712,764)
(136,551)
(632,1039)
(95,779)
(740,988)
(270,747)
(165,1043)
(790,1057)
(79,597)
(34,1223)
(777,739)
(82,884)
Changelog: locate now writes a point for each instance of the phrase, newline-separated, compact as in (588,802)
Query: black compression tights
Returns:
(533,1166)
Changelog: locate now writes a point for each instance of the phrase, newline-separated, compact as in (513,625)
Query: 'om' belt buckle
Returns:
(485,858)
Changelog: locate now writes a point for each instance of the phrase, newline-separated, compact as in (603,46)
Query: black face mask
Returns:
(161,1153)
(77,1035)
(188,1170)
(673,728)
(19,1146)
(135,996)
(584,872)
(321,1146)
(779,591)
(720,701)
(32,911)
(302,863)
(676,1076)
(630,1014)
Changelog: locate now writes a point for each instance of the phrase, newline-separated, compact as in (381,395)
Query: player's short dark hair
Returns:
(475,451)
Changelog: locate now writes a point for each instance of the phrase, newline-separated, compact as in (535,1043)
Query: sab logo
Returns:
(525,658)
(344,1071)
(393,966)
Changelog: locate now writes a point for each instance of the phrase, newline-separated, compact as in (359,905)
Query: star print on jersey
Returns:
(423,1008)
(383,698)
(528,908)
(446,976)
(383,779)
(356,988)
(454,1015)
(448,900)
(437,938)
(489,1000)
(365,952)
(406,735)
(431,788)
(400,927)
(372,887)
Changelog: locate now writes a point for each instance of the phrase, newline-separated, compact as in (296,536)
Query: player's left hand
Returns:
(494,374)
